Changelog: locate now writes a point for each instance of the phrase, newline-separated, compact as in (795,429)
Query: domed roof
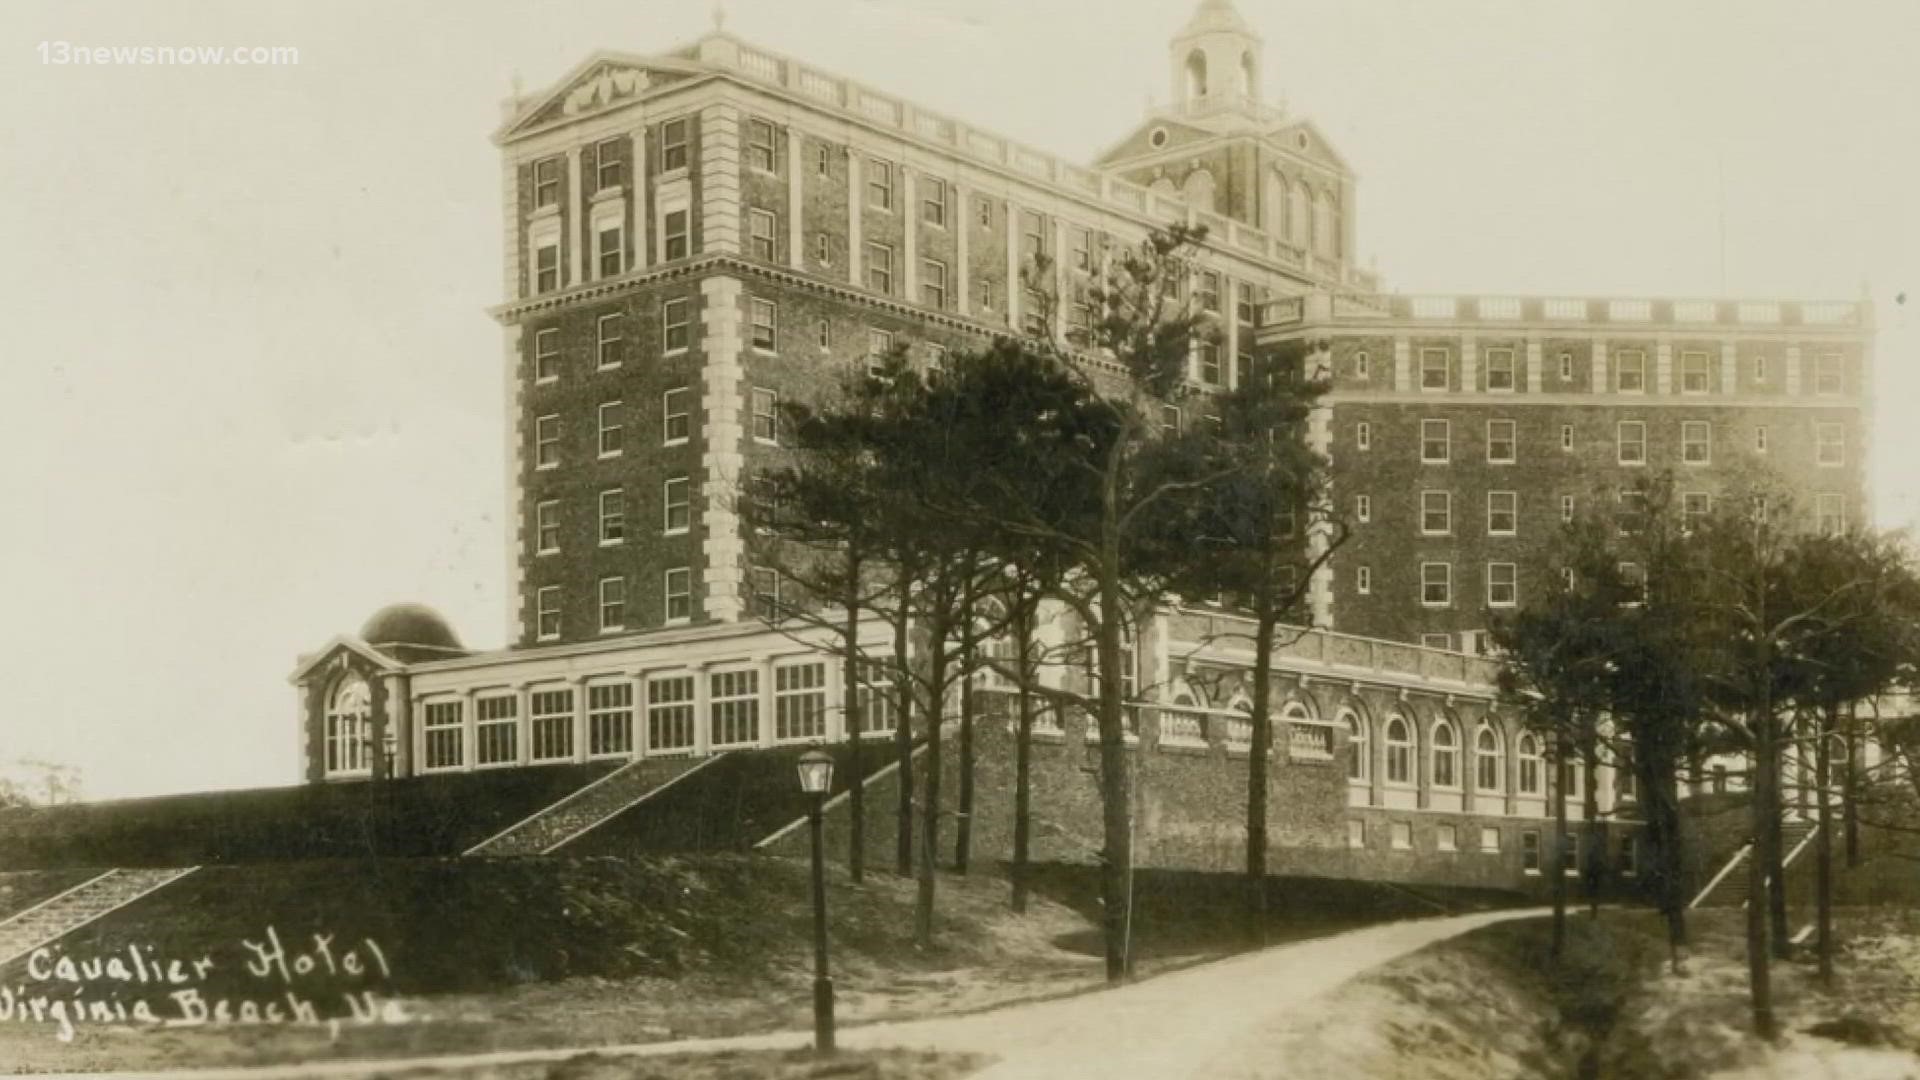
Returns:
(410,624)
(1216,17)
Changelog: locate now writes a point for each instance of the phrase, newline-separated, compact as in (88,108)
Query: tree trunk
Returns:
(1780,937)
(1593,863)
(903,734)
(1557,868)
(930,793)
(1116,796)
(850,704)
(963,820)
(1665,863)
(1022,759)
(1259,751)
(1759,977)
(1851,778)
(1824,847)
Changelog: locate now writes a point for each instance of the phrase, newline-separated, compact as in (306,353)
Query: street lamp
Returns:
(816,779)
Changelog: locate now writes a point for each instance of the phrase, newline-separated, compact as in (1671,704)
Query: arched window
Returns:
(1199,189)
(1399,751)
(1276,217)
(1297,215)
(1529,765)
(1249,76)
(1163,186)
(1358,766)
(348,712)
(1196,75)
(1446,756)
(1487,759)
(1322,223)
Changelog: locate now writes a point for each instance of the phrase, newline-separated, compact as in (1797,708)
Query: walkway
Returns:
(1185,1024)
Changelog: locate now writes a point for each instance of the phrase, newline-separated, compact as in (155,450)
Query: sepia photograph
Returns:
(960,540)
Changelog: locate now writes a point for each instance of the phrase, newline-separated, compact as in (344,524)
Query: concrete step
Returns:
(60,915)
(565,820)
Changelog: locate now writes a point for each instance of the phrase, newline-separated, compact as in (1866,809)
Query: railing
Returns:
(1637,312)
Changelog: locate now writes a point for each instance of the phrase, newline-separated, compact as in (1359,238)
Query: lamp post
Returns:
(816,779)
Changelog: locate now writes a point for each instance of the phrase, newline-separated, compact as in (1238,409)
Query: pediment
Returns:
(604,81)
(341,654)
(1140,142)
(1301,139)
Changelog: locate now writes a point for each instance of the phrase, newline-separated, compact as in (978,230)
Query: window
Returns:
(760,235)
(1500,370)
(673,144)
(1357,764)
(1501,442)
(1530,765)
(765,316)
(1170,419)
(1634,577)
(670,712)
(1489,838)
(983,212)
(1402,835)
(546,442)
(1693,373)
(1566,437)
(1629,856)
(1034,317)
(879,348)
(546,268)
(1503,513)
(546,527)
(1446,756)
(546,182)
(1082,258)
(1362,366)
(1830,512)
(607,341)
(876,698)
(1436,584)
(1632,375)
(1242,367)
(933,283)
(1631,510)
(1209,291)
(1437,641)
(609,718)
(1363,508)
(1080,323)
(1566,367)
(611,437)
(349,727)
(1623,776)
(678,592)
(933,201)
(1760,439)
(1694,508)
(613,516)
(1830,444)
(1436,513)
(546,355)
(446,735)
(822,158)
(676,318)
(609,169)
(823,248)
(986,295)
(766,416)
(823,334)
(1630,437)
(613,255)
(496,730)
(880,268)
(1399,751)
(1503,584)
(1363,435)
(1210,363)
(1566,508)
(1826,374)
(1436,437)
(1363,580)
(733,707)
(1760,368)
(1356,834)
(879,184)
(1488,761)
(1696,442)
(763,592)
(675,235)
(546,606)
(760,145)
(800,701)
(613,604)
(1530,851)
(1570,848)
(1033,234)
(936,358)
(675,425)
(674,501)
(1446,838)
(1434,373)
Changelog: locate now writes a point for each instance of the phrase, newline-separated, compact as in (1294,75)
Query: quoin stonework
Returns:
(692,237)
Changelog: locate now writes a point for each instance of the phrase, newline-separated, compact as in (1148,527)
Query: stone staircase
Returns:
(1732,886)
(559,824)
(54,918)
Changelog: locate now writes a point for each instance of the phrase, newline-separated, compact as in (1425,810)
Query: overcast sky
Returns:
(251,393)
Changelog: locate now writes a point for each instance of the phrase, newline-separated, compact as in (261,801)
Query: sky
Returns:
(252,394)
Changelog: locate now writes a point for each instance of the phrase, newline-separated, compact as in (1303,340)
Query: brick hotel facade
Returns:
(692,237)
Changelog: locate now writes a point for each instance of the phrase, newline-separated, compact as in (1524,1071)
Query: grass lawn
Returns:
(760,1065)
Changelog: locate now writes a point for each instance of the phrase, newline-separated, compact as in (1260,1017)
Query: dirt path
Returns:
(1194,1023)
